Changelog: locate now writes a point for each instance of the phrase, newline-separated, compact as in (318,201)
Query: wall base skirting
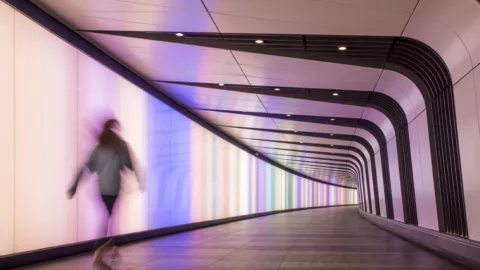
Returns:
(41,255)
(464,251)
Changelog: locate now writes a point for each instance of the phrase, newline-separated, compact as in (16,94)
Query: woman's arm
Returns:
(90,166)
(73,188)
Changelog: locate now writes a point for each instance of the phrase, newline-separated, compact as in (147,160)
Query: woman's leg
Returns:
(109,202)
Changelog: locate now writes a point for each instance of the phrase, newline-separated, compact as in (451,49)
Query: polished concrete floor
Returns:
(330,238)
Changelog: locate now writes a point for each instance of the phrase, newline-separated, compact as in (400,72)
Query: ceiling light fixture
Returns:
(335,94)
(332,119)
(276,89)
(288,115)
(259,41)
(179,34)
(221,84)
(342,48)
(331,134)
(296,131)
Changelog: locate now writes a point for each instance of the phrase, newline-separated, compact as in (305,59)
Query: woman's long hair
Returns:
(108,136)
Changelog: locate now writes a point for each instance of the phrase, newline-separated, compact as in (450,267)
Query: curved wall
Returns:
(53,99)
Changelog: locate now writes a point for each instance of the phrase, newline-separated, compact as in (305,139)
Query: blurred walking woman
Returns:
(109,158)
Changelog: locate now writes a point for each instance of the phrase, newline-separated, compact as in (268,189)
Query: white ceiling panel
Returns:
(305,161)
(451,27)
(302,156)
(266,151)
(131,15)
(254,134)
(325,172)
(257,143)
(321,170)
(308,139)
(319,149)
(319,167)
(157,60)
(306,156)
(206,98)
(404,91)
(270,70)
(361,148)
(369,137)
(312,127)
(238,120)
(328,17)
(381,121)
(442,38)
(208,92)
(294,106)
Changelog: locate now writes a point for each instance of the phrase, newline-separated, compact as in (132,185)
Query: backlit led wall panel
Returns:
(45,137)
(7,140)
(53,102)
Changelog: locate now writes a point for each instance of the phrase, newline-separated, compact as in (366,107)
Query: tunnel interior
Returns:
(238,109)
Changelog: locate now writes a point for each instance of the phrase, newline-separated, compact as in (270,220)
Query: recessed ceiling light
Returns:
(259,41)
(332,119)
(288,115)
(179,34)
(221,84)
(276,89)
(342,48)
(335,94)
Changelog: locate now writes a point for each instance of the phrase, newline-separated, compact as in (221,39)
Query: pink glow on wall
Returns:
(7,133)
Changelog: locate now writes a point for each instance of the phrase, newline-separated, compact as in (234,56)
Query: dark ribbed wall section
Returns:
(431,75)
(334,155)
(382,142)
(361,191)
(394,111)
(375,100)
(343,137)
(367,125)
(341,147)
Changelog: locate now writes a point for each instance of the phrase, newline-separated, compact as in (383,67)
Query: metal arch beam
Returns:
(331,154)
(387,105)
(322,168)
(347,162)
(342,147)
(320,164)
(343,137)
(366,125)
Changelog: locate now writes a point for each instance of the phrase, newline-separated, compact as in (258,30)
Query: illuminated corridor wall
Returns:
(53,99)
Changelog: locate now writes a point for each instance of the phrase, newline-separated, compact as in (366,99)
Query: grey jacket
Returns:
(107,161)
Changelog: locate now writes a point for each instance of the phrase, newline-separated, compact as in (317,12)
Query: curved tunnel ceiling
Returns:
(387,76)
